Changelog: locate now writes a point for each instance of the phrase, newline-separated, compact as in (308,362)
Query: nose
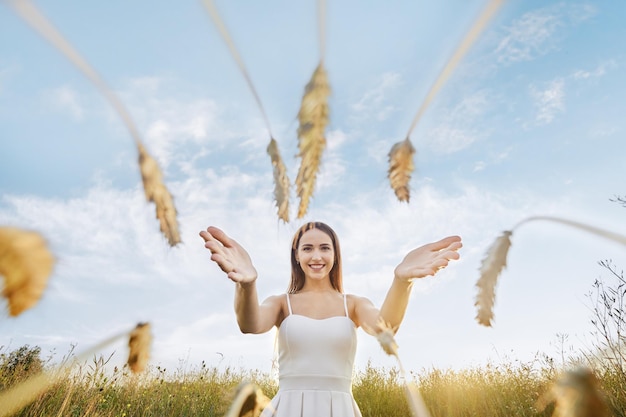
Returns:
(316,256)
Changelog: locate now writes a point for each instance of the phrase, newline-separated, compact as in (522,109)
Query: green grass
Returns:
(509,389)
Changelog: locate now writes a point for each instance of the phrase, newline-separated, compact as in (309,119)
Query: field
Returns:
(507,389)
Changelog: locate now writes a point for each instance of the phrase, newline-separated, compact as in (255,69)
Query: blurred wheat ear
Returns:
(25,264)
(281,181)
(575,394)
(492,265)
(400,168)
(495,262)
(156,192)
(385,334)
(18,396)
(313,118)
(31,14)
(249,401)
(139,343)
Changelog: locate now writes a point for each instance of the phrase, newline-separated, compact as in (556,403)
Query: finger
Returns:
(220,236)
(450,254)
(207,236)
(214,246)
(222,262)
(445,243)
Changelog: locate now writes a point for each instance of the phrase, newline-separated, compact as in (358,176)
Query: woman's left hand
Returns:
(428,259)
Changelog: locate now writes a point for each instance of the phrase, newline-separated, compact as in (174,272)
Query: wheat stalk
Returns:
(576,393)
(156,192)
(29,12)
(495,261)
(313,118)
(385,336)
(22,394)
(281,181)
(471,36)
(400,168)
(25,264)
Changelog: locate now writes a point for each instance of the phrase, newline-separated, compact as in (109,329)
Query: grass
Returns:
(509,389)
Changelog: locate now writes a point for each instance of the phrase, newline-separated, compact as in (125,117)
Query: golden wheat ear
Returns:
(490,269)
(385,334)
(156,192)
(165,207)
(18,396)
(576,393)
(249,401)
(400,168)
(281,181)
(139,344)
(313,118)
(25,264)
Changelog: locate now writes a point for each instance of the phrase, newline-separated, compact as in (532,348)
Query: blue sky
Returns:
(530,123)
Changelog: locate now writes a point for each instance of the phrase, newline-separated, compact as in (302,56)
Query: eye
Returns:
(306,249)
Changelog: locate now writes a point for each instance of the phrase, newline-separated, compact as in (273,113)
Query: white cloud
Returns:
(457,130)
(375,103)
(597,72)
(539,32)
(66,100)
(171,122)
(115,268)
(549,101)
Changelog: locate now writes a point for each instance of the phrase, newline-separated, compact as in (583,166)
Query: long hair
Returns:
(297,274)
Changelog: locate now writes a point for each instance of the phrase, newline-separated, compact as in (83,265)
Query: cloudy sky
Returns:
(530,123)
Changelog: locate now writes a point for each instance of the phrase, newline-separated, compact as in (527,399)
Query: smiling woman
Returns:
(316,320)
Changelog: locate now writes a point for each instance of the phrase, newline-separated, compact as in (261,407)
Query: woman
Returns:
(316,321)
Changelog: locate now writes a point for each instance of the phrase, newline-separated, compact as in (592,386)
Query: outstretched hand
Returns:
(428,259)
(229,255)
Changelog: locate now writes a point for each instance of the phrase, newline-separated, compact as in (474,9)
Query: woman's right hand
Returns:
(231,257)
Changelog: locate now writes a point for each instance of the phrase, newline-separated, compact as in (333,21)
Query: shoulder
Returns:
(360,308)
(277,306)
(358,301)
(275,300)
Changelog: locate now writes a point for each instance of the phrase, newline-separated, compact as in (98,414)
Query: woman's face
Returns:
(316,254)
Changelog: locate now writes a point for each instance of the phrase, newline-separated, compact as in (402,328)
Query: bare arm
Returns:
(419,263)
(234,260)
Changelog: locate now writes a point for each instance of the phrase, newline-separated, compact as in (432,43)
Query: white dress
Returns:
(315,363)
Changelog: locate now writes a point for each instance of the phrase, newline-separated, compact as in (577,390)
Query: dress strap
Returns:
(345,305)
(289,304)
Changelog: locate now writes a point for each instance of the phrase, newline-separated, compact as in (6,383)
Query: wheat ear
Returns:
(249,401)
(27,10)
(495,262)
(139,347)
(156,192)
(25,263)
(20,395)
(400,168)
(385,336)
(576,393)
(313,118)
(479,24)
(490,269)
(281,181)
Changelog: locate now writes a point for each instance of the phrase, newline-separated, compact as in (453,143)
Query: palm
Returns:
(428,259)
(229,255)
